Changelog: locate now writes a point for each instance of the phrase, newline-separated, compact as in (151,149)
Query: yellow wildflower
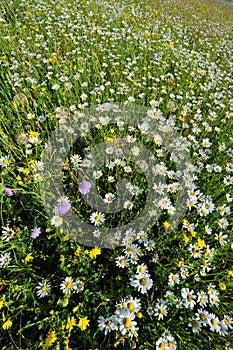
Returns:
(185,239)
(7,324)
(166,225)
(78,250)
(201,243)
(222,286)
(83,323)
(94,252)
(51,338)
(28,258)
(71,322)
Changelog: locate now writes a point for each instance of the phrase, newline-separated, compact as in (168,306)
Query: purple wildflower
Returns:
(8,192)
(36,231)
(85,187)
(154,55)
(62,208)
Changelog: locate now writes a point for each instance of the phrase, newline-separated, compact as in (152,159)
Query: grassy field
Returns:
(116,175)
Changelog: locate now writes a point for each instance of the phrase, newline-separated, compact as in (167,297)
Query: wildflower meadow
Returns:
(116,160)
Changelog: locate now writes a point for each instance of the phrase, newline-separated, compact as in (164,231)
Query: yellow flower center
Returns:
(202,317)
(44,288)
(130,306)
(122,261)
(143,281)
(127,322)
(68,284)
(214,322)
(194,323)
(160,311)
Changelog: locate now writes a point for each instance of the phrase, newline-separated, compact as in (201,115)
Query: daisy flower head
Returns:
(188,298)
(125,320)
(122,261)
(7,233)
(202,315)
(80,286)
(161,344)
(97,174)
(213,322)
(133,305)
(43,289)
(142,282)
(195,324)
(128,205)
(76,160)
(5,259)
(160,310)
(56,220)
(97,218)
(5,161)
(107,324)
(142,268)
(109,198)
(68,285)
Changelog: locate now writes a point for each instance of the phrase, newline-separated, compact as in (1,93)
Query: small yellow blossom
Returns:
(222,286)
(185,239)
(83,323)
(71,322)
(166,225)
(51,338)
(94,252)
(201,243)
(28,258)
(33,134)
(1,304)
(7,324)
(78,250)
(26,171)
(139,315)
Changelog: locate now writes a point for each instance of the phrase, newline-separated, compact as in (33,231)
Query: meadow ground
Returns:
(116,175)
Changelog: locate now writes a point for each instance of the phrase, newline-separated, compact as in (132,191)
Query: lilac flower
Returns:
(8,192)
(154,55)
(36,231)
(85,187)
(62,208)
(123,36)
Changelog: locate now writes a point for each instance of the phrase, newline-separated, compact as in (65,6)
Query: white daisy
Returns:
(142,281)
(97,218)
(43,289)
